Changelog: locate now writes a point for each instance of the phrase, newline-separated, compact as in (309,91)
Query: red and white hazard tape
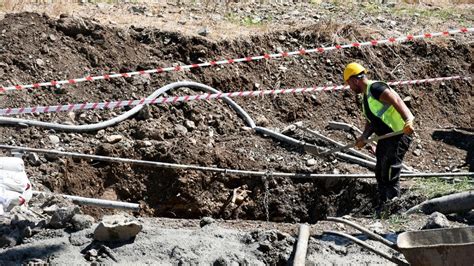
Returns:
(244,59)
(188,98)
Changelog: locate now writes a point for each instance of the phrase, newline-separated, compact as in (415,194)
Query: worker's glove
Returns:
(408,129)
(360,142)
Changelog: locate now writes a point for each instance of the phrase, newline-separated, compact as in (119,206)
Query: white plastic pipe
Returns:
(302,245)
(96,202)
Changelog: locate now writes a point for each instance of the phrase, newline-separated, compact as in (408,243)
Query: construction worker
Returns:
(385,112)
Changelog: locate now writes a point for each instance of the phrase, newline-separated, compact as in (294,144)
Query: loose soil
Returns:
(40,48)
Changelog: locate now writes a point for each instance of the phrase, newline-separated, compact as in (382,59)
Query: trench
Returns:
(209,133)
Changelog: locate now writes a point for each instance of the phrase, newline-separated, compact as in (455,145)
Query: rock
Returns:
(417,152)
(105,250)
(26,232)
(103,6)
(54,139)
(50,209)
(80,238)
(141,79)
(436,220)
(144,113)
(91,254)
(82,221)
(7,241)
(52,37)
(140,10)
(62,216)
(189,124)
(206,221)
(264,247)
(220,262)
(33,159)
(180,129)
(114,138)
(72,116)
(295,13)
(203,32)
(377,227)
(116,228)
(256,20)
(51,157)
(73,27)
(262,121)
(310,162)
(39,62)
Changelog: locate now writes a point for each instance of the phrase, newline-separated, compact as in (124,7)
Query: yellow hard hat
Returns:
(353,69)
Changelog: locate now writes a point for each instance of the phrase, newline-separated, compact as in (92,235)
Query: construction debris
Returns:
(117,228)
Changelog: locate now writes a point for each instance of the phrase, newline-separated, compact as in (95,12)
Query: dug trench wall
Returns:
(208,133)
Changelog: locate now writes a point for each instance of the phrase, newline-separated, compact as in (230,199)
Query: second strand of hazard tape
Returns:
(187,98)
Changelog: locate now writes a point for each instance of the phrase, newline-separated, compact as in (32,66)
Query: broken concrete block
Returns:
(116,228)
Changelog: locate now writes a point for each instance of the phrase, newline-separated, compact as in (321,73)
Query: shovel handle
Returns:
(376,138)
(389,135)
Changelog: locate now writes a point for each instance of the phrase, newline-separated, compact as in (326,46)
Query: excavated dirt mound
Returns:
(37,48)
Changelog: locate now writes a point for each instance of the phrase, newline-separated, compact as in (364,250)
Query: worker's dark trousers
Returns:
(390,153)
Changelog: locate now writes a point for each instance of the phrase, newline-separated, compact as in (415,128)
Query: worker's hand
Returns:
(372,149)
(408,129)
(360,142)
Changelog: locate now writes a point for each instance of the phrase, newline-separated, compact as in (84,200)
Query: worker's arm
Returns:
(392,98)
(368,130)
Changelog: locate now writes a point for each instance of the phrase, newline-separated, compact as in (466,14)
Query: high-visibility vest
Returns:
(386,112)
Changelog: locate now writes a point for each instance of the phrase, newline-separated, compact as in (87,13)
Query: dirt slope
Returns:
(39,48)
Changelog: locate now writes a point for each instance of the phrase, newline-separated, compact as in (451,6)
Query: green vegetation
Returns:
(246,21)
(249,21)
(442,13)
(436,187)
(397,222)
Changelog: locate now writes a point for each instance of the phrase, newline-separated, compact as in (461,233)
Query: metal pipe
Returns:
(344,126)
(218,170)
(96,202)
(365,231)
(369,247)
(301,246)
(312,148)
(351,150)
